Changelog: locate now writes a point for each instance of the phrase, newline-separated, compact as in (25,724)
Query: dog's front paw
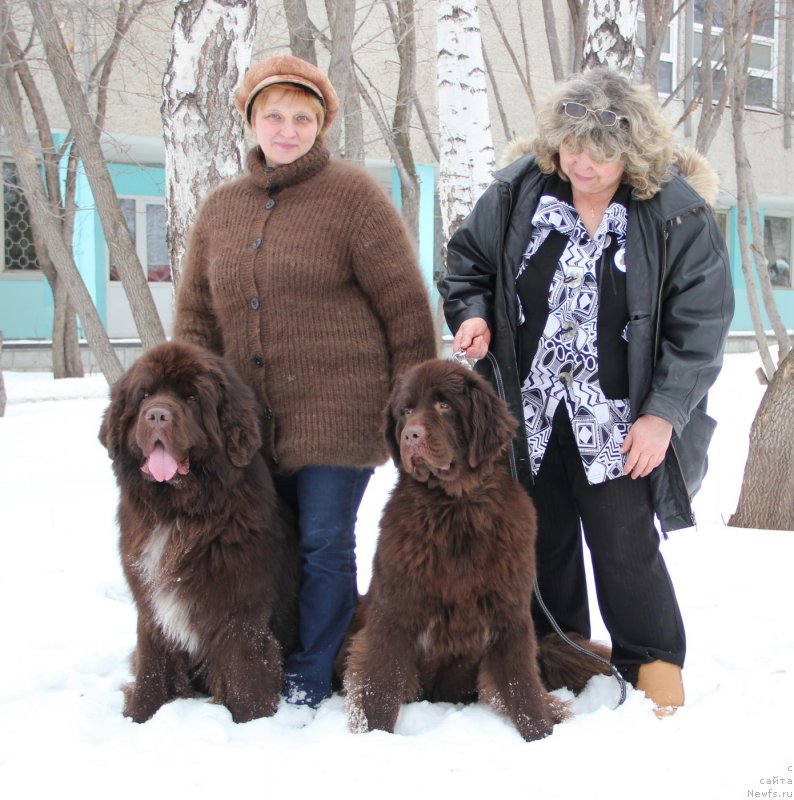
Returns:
(139,706)
(369,708)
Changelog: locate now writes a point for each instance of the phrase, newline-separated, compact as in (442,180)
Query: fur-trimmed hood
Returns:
(692,165)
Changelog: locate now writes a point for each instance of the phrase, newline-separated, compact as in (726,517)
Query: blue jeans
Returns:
(325,500)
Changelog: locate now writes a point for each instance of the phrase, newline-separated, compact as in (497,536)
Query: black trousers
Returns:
(635,595)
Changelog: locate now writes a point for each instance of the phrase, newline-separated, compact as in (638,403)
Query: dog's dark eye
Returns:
(407,411)
(441,405)
(193,398)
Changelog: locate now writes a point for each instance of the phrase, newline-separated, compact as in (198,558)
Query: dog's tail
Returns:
(564,666)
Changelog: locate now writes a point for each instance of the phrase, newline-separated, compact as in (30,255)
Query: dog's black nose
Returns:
(414,433)
(157,416)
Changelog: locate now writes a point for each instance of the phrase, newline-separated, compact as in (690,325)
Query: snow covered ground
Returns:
(68,626)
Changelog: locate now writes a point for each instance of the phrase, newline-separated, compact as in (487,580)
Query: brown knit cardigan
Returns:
(304,277)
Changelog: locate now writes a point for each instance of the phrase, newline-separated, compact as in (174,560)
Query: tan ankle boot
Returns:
(662,683)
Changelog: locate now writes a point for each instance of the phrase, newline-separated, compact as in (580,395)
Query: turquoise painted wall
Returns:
(784,298)
(26,308)
(26,304)
(427,182)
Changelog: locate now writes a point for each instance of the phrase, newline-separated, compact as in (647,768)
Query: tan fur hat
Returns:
(286,69)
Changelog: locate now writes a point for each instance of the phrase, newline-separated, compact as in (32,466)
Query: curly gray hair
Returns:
(642,137)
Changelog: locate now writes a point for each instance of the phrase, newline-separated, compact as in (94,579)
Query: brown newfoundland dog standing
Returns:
(447,616)
(211,560)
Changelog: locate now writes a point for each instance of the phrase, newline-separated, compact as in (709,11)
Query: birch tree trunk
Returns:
(465,142)
(144,312)
(212,41)
(611,34)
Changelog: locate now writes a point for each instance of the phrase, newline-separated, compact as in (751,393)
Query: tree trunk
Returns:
(405,39)
(212,41)
(737,56)
(766,500)
(578,9)
(611,34)
(658,14)
(524,77)
(49,228)
(301,31)
(552,39)
(349,125)
(494,82)
(465,142)
(122,250)
(66,361)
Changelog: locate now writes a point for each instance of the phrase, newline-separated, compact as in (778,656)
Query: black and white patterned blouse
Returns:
(586,307)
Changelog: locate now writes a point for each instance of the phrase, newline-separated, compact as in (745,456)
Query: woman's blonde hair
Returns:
(642,137)
(291,89)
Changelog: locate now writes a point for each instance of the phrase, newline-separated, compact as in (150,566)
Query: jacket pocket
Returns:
(691,449)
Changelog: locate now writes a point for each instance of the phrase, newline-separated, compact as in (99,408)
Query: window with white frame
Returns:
(145,218)
(761,81)
(778,249)
(19,251)
(666,78)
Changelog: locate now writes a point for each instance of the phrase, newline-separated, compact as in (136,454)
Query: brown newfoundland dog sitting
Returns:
(207,551)
(447,615)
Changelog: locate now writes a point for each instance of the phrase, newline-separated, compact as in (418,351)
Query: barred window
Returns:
(19,252)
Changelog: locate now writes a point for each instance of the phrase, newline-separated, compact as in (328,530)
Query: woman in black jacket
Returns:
(595,279)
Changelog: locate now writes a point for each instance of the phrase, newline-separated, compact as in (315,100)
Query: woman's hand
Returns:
(473,336)
(645,445)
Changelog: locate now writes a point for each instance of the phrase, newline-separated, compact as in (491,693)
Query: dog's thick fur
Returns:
(209,555)
(447,615)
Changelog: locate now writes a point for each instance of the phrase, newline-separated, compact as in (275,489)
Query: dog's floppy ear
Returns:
(491,425)
(239,417)
(390,423)
(111,430)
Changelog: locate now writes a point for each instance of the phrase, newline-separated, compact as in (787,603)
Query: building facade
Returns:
(134,150)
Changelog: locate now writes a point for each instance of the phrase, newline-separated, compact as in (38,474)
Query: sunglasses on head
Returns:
(579,111)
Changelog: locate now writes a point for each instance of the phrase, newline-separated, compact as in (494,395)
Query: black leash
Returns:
(460,357)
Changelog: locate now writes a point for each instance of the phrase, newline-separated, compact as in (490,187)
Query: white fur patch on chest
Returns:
(171,611)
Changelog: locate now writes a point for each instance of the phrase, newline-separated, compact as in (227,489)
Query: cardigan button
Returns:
(254,303)
(256,244)
(268,413)
(270,204)
(259,361)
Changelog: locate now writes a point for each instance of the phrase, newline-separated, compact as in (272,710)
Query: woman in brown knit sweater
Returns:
(301,273)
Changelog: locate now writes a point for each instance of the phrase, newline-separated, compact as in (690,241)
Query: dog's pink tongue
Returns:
(161,464)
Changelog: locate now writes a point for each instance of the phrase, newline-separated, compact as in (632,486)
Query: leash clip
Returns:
(459,357)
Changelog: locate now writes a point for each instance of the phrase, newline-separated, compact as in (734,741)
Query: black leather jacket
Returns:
(680,303)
